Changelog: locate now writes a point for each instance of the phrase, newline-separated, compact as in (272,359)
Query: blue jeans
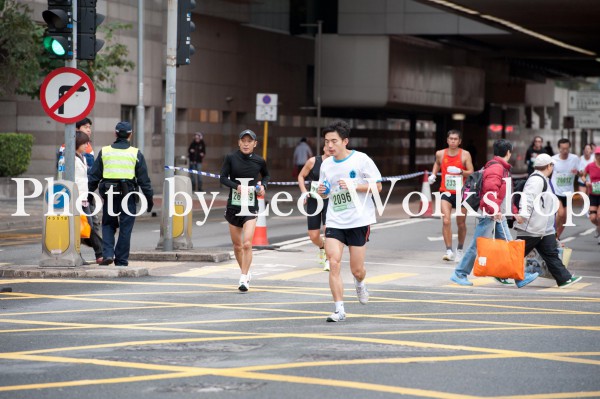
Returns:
(110,224)
(484,228)
(196,178)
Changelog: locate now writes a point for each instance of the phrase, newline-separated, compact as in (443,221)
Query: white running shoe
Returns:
(459,255)
(244,285)
(326,267)
(361,293)
(449,255)
(336,316)
(322,257)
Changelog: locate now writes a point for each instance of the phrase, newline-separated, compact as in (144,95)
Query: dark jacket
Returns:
(141,170)
(199,150)
(492,181)
(530,156)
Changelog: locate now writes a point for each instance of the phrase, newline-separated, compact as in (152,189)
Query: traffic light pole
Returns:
(170,112)
(318,61)
(69,153)
(140,111)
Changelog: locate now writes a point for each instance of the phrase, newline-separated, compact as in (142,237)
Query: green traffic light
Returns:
(57,48)
(56,45)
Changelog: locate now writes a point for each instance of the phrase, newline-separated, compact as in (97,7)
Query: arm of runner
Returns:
(370,173)
(468,162)
(304,172)
(434,169)
(265,177)
(225,171)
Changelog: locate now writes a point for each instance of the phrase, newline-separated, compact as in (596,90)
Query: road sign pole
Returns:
(69,153)
(170,112)
(266,139)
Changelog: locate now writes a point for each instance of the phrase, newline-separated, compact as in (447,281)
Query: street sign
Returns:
(586,119)
(67,95)
(59,199)
(584,100)
(266,107)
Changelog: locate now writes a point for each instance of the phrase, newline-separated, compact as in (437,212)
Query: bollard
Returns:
(182,225)
(61,233)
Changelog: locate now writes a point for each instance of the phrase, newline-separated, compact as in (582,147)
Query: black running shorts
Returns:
(234,220)
(451,198)
(314,222)
(354,237)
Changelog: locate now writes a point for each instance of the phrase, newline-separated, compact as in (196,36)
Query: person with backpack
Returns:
(492,193)
(535,220)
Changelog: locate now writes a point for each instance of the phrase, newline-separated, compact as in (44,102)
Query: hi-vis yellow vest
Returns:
(119,164)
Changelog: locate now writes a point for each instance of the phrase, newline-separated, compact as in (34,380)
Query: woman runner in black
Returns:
(310,171)
(242,206)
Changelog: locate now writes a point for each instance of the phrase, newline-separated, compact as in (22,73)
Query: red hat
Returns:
(597,150)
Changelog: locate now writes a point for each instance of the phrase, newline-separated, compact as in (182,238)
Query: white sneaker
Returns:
(449,255)
(336,316)
(326,267)
(322,257)
(459,255)
(244,284)
(361,293)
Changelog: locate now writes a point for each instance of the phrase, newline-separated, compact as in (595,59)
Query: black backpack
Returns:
(519,185)
(473,185)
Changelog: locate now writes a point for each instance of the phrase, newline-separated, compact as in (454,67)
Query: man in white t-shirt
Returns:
(344,179)
(566,167)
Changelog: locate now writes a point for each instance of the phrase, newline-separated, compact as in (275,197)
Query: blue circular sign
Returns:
(59,198)
(267,99)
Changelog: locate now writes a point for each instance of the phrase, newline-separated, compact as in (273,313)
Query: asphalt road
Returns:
(186,332)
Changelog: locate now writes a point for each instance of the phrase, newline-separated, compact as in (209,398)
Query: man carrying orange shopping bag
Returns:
(536,226)
(491,221)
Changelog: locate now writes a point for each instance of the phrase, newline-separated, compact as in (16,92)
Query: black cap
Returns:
(123,128)
(249,133)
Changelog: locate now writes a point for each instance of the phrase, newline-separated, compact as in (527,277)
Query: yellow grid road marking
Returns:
(206,270)
(574,287)
(384,278)
(294,274)
(252,372)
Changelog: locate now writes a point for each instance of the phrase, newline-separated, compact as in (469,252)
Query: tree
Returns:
(24,63)
(20,45)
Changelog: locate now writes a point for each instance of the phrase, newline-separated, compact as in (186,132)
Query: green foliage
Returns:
(15,153)
(20,44)
(24,62)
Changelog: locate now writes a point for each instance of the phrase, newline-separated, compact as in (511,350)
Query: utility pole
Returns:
(69,153)
(318,61)
(170,111)
(140,114)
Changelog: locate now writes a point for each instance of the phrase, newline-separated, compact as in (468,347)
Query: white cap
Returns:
(543,160)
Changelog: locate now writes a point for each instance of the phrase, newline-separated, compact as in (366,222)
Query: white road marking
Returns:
(567,239)
(298,242)
(440,238)
(588,232)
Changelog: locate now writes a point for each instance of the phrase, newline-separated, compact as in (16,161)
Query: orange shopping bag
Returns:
(86,229)
(500,258)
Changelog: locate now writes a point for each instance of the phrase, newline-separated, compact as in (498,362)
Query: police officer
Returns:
(119,169)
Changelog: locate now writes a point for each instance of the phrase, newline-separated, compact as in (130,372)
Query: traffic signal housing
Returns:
(185,27)
(88,21)
(58,40)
